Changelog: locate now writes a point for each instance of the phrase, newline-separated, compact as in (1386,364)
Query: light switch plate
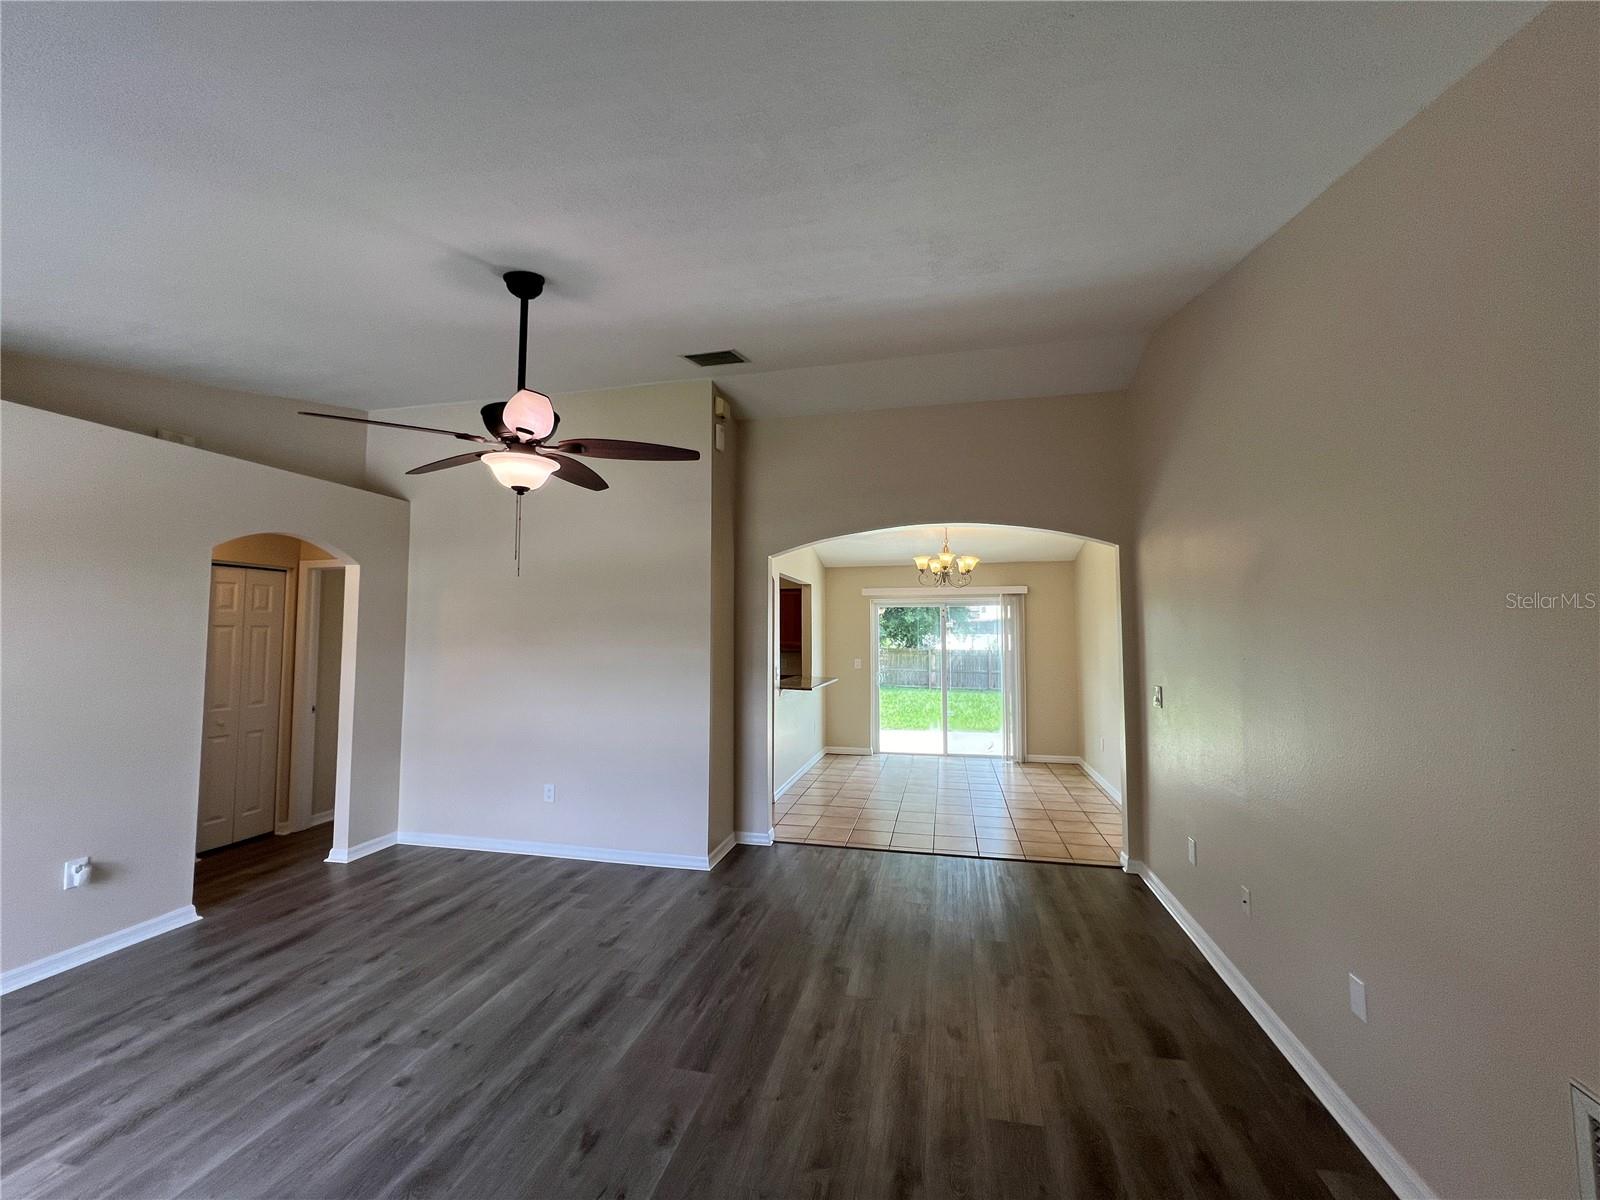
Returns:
(1193,853)
(1157,698)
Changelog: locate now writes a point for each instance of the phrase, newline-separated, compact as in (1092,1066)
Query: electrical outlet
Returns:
(549,793)
(75,873)
(1157,699)
(1358,997)
(1244,898)
(858,664)
(1193,859)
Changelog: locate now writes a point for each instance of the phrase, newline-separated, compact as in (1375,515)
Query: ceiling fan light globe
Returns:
(515,470)
(530,410)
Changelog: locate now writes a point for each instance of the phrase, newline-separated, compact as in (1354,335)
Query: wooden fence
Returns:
(970,670)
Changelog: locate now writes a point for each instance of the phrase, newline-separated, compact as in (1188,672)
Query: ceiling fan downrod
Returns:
(525,286)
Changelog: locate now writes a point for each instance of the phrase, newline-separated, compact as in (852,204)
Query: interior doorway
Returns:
(981,717)
(276,686)
(319,671)
(940,678)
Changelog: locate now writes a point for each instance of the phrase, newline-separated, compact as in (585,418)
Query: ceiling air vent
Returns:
(1586,1120)
(716,358)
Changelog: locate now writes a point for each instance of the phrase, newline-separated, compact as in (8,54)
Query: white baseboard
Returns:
(54,964)
(790,782)
(1104,784)
(361,849)
(847,750)
(1385,1159)
(754,839)
(717,855)
(1054,758)
(636,858)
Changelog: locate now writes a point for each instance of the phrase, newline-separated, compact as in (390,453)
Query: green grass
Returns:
(918,708)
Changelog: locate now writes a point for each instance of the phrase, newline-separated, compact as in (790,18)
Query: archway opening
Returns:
(273,787)
(953,689)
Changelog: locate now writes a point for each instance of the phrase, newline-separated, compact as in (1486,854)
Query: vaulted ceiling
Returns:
(316,200)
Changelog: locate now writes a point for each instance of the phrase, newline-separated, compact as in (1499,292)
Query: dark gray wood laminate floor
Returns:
(803,1022)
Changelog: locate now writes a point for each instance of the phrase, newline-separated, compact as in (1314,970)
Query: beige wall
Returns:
(1059,463)
(797,717)
(1098,595)
(248,425)
(1353,448)
(1050,650)
(324,725)
(104,650)
(593,671)
(724,692)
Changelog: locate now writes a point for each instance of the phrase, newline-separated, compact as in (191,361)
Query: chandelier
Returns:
(945,569)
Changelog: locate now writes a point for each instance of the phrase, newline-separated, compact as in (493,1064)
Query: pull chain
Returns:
(516,552)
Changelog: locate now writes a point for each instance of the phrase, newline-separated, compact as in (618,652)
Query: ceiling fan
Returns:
(521,428)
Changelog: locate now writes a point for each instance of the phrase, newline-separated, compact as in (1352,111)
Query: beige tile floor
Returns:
(977,807)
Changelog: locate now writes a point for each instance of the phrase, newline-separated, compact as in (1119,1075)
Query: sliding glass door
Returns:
(911,701)
(941,683)
(974,680)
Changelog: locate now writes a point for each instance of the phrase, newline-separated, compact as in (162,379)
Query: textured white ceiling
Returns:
(992,543)
(315,200)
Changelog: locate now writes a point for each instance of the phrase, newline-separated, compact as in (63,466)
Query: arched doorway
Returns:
(276,726)
(980,714)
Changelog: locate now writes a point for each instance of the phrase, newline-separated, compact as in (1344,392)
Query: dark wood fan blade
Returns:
(465,437)
(616,448)
(492,414)
(456,460)
(576,472)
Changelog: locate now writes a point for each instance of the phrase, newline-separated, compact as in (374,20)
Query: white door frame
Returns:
(302,754)
(881,598)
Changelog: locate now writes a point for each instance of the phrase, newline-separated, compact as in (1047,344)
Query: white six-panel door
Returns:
(219,746)
(244,682)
